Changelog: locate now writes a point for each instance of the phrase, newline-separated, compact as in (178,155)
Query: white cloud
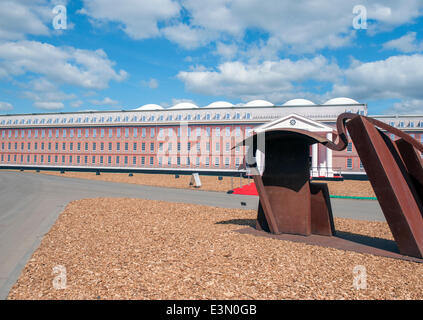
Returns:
(76,104)
(273,80)
(298,26)
(49,105)
(46,95)
(152,83)
(5,106)
(83,68)
(105,102)
(188,37)
(406,44)
(408,106)
(227,51)
(138,18)
(19,18)
(396,77)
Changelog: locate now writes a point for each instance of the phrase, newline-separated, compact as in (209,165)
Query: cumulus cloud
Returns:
(152,83)
(408,106)
(138,18)
(393,78)
(84,68)
(298,26)
(273,80)
(76,104)
(317,79)
(49,105)
(407,43)
(5,106)
(105,102)
(19,18)
(46,95)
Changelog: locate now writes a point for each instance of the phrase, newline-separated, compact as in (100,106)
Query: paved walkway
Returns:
(30,204)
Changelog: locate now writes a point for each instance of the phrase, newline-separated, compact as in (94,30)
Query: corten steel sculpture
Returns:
(395,171)
(290,203)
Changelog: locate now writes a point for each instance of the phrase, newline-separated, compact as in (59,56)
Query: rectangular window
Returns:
(349,163)
(151,147)
(237,131)
(228,131)
(152,132)
(349,147)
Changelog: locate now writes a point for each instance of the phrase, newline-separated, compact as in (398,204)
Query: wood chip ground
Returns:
(140,249)
(211,183)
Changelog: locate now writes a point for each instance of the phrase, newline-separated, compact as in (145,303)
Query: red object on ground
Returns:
(249,190)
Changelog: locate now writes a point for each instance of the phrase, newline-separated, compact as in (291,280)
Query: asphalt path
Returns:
(31,202)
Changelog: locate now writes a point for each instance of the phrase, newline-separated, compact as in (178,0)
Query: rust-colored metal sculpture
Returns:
(290,203)
(395,173)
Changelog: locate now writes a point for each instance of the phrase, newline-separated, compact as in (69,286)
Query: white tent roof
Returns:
(341,100)
(259,103)
(299,102)
(150,106)
(184,105)
(219,104)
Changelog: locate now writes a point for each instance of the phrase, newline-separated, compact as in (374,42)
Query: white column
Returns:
(314,156)
(329,156)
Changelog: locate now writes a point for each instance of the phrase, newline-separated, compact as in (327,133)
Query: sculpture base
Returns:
(342,241)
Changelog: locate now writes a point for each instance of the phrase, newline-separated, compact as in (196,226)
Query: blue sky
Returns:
(117,55)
